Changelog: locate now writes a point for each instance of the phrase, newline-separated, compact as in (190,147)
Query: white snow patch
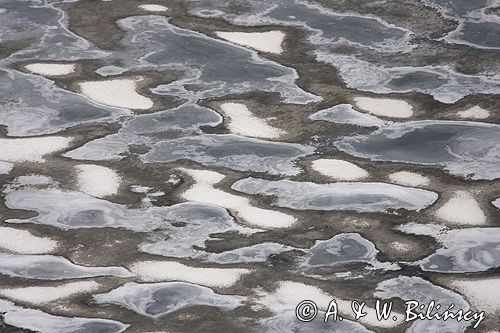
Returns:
(475,112)
(409,178)
(269,41)
(153,8)
(42,295)
(481,293)
(339,169)
(97,180)
(49,69)
(23,242)
(117,92)
(174,271)
(5,167)
(31,149)
(243,122)
(462,209)
(385,107)
(203,191)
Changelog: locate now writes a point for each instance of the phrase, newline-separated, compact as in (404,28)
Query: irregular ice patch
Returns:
(289,294)
(116,92)
(150,271)
(475,112)
(243,122)
(481,293)
(339,169)
(204,191)
(361,197)
(254,253)
(24,242)
(345,114)
(5,167)
(269,41)
(153,8)
(31,149)
(467,149)
(97,180)
(385,107)
(46,267)
(50,69)
(409,178)
(417,289)
(38,321)
(233,152)
(467,250)
(158,299)
(462,208)
(42,295)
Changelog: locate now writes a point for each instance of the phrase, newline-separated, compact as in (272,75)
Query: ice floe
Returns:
(417,289)
(269,41)
(339,169)
(46,267)
(233,152)
(409,178)
(345,114)
(150,271)
(361,197)
(153,8)
(482,293)
(5,167)
(31,149)
(97,180)
(116,92)
(467,149)
(385,107)
(204,191)
(50,69)
(243,122)
(24,242)
(462,208)
(38,321)
(41,295)
(158,299)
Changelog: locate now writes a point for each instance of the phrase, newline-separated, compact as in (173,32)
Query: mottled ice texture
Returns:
(177,231)
(442,82)
(158,299)
(462,208)
(324,26)
(42,295)
(97,180)
(467,149)
(24,242)
(50,69)
(38,321)
(204,191)
(37,106)
(117,92)
(150,271)
(345,114)
(385,107)
(339,169)
(148,129)
(248,254)
(269,41)
(361,197)
(46,267)
(243,122)
(482,293)
(233,152)
(31,149)
(417,289)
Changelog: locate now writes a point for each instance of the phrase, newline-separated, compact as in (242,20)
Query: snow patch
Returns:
(269,41)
